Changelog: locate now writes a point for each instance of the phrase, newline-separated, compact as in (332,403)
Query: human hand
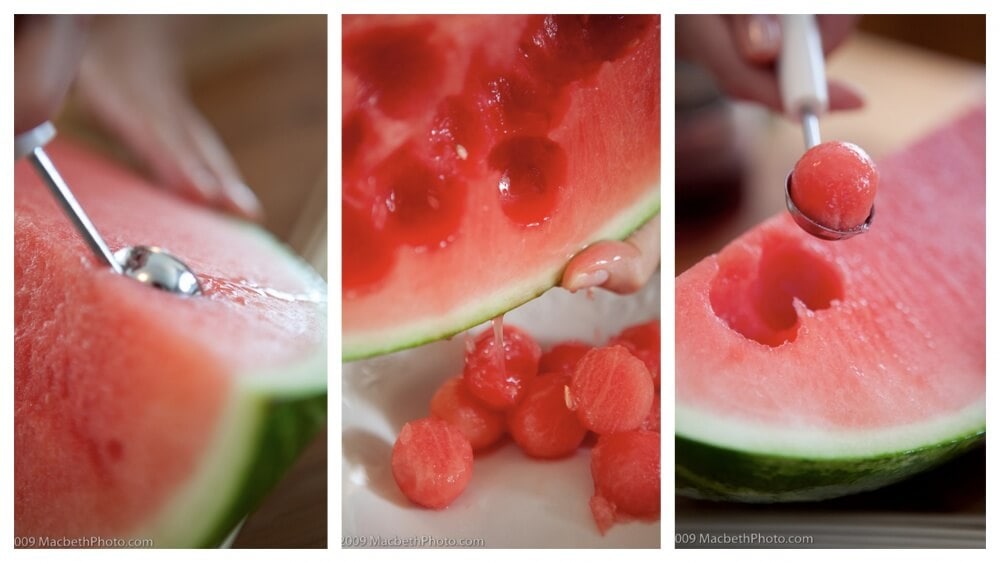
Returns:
(618,266)
(741,51)
(130,81)
(46,58)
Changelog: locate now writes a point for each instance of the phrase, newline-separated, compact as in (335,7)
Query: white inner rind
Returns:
(743,435)
(195,509)
(362,344)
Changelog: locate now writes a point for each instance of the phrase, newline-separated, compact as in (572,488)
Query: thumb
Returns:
(757,37)
(621,267)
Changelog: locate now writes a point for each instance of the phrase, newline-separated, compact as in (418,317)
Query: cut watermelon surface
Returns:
(809,370)
(480,154)
(138,413)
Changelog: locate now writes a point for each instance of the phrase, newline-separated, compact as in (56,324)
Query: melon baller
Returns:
(802,80)
(149,265)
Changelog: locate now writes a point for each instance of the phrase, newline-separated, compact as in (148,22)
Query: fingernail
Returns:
(584,280)
(203,181)
(244,198)
(846,95)
(763,34)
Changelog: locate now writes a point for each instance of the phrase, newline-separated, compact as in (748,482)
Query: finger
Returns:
(844,96)
(709,40)
(758,37)
(834,29)
(752,85)
(187,157)
(233,194)
(621,267)
(47,52)
(129,81)
(760,86)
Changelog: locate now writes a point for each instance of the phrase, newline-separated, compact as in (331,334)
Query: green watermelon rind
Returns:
(271,416)
(259,436)
(286,427)
(709,472)
(384,341)
(721,464)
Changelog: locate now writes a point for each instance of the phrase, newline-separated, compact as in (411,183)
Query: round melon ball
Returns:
(834,184)
(431,462)
(611,390)
(626,471)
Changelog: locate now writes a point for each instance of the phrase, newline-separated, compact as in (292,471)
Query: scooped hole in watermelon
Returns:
(399,68)
(532,172)
(614,36)
(355,130)
(755,290)
(424,208)
(369,255)
(520,103)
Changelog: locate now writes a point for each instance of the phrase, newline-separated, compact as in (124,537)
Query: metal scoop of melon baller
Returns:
(148,265)
(819,230)
(156,267)
(802,78)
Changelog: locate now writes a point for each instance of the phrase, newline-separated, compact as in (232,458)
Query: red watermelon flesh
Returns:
(140,413)
(480,154)
(798,349)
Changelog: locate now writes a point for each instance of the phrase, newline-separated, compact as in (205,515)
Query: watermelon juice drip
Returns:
(499,123)
(498,354)
(243,291)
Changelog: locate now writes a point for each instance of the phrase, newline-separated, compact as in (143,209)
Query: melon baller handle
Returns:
(802,74)
(30,145)
(802,81)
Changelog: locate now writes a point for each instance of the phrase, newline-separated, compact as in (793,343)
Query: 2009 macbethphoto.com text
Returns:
(752,538)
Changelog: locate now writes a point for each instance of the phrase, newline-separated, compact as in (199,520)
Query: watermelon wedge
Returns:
(808,370)
(141,414)
(480,154)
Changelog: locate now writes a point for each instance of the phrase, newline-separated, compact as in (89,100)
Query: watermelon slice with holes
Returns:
(139,413)
(480,154)
(807,369)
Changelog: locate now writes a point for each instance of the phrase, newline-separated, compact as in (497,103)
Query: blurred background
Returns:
(917,73)
(260,81)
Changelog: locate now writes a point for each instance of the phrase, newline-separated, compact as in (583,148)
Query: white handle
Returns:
(32,139)
(801,70)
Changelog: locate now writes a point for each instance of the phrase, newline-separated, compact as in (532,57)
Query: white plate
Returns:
(512,501)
